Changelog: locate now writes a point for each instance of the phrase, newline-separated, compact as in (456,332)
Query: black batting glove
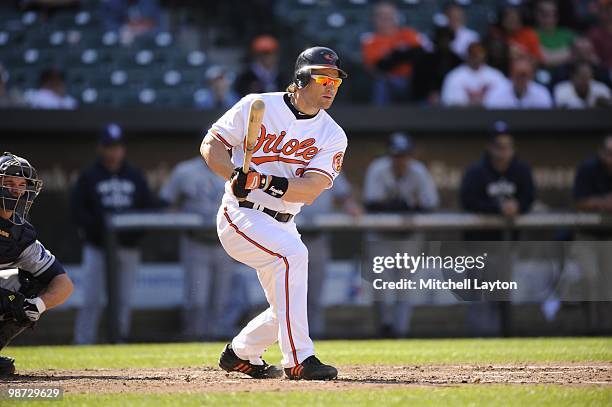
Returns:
(238,182)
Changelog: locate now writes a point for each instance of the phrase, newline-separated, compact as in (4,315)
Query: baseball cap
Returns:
(264,43)
(111,134)
(498,127)
(215,72)
(400,143)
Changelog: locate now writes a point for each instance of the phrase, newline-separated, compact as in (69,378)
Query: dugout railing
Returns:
(339,222)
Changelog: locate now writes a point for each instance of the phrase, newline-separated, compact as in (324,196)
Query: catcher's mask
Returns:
(15,197)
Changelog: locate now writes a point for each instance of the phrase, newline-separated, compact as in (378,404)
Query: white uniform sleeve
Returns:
(230,128)
(328,161)
(374,189)
(35,259)
(171,190)
(427,192)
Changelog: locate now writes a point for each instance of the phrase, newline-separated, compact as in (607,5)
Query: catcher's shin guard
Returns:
(7,366)
(232,363)
(10,329)
(311,369)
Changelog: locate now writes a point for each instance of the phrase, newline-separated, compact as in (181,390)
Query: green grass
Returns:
(390,352)
(421,396)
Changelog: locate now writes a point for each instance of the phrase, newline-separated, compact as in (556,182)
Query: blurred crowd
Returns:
(528,58)
(214,296)
(535,54)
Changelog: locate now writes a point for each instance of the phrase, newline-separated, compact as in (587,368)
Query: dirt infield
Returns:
(208,379)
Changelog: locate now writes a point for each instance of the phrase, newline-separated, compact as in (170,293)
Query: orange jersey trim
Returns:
(327,174)
(221,139)
(253,242)
(274,158)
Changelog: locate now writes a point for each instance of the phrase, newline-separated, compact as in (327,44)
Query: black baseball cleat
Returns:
(232,363)
(7,366)
(311,368)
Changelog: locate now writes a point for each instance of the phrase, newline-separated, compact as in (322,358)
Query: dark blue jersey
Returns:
(483,188)
(99,192)
(593,179)
(19,249)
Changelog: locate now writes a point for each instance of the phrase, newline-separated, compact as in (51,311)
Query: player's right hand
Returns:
(238,182)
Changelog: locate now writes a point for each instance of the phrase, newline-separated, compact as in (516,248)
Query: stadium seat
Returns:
(63,20)
(168,98)
(84,19)
(79,77)
(5,39)
(90,56)
(144,57)
(196,58)
(152,41)
(37,37)
(110,39)
(29,18)
(32,56)
(57,39)
(24,77)
(91,96)
(147,96)
(184,97)
(13,39)
(118,78)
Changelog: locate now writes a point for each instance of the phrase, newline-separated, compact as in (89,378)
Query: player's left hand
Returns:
(243,183)
(240,182)
(33,308)
(11,304)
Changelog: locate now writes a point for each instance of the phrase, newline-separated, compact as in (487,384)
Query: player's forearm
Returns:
(58,291)
(304,190)
(216,157)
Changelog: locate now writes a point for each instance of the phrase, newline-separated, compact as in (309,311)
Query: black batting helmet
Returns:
(315,58)
(13,198)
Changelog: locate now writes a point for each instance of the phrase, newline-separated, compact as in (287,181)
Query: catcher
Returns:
(41,282)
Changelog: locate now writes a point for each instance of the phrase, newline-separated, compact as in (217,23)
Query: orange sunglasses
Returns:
(326,80)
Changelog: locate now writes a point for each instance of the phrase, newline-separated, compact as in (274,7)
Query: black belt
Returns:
(279,216)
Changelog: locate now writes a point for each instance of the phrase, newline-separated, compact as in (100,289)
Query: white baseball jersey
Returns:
(289,145)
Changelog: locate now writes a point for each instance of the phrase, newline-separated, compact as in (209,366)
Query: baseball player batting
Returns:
(41,283)
(297,155)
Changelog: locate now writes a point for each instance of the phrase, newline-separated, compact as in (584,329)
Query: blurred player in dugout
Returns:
(398,183)
(500,183)
(208,272)
(318,243)
(110,185)
(593,248)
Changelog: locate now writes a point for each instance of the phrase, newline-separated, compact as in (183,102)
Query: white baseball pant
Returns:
(276,252)
(92,285)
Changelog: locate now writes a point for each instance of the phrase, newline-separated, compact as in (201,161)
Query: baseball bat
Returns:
(256,113)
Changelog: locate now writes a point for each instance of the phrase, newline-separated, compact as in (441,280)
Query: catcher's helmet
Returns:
(315,58)
(12,198)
